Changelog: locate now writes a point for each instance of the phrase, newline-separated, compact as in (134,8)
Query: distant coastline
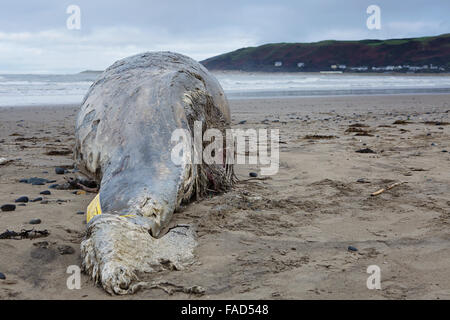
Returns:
(91,72)
(426,55)
(306,73)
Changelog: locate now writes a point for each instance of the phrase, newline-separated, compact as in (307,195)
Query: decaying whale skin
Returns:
(123,140)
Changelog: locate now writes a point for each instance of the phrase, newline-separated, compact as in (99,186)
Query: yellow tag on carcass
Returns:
(93,208)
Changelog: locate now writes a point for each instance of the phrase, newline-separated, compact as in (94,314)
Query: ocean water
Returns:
(251,85)
(23,89)
(31,89)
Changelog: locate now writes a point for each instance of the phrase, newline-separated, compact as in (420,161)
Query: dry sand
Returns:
(281,238)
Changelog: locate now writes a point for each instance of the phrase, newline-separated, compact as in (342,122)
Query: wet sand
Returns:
(285,237)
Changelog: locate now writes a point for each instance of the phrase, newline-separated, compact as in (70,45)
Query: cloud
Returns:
(71,51)
(34,37)
(406,28)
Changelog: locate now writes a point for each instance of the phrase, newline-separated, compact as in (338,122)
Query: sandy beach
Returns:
(284,237)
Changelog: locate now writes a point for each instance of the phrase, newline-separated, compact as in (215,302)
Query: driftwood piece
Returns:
(87,189)
(254,178)
(4,161)
(376,193)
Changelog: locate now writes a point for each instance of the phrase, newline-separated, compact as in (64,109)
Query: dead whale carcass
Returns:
(123,140)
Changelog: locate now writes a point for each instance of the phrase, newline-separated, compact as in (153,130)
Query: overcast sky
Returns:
(34,37)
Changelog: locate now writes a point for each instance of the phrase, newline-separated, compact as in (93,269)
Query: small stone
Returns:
(242,122)
(253,174)
(80,212)
(21,205)
(80,192)
(8,207)
(362,180)
(36,199)
(275,294)
(444,151)
(53,186)
(60,170)
(35,221)
(351,248)
(42,244)
(35,181)
(433,144)
(64,249)
(365,150)
(22,199)
(45,192)
(2,276)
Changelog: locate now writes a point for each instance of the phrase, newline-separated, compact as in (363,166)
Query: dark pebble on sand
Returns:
(2,276)
(60,170)
(253,174)
(433,144)
(35,221)
(46,192)
(444,151)
(22,199)
(8,207)
(35,181)
(21,205)
(351,248)
(36,199)
(242,122)
(53,186)
(66,250)
(365,150)
(80,212)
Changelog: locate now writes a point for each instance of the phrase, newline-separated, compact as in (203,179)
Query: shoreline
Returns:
(268,97)
(318,73)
